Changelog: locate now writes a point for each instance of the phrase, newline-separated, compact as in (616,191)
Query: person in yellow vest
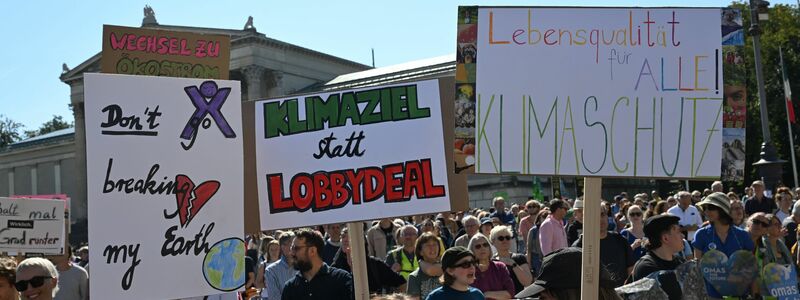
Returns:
(403,259)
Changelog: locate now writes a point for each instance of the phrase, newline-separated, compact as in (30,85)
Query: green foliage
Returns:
(781,30)
(57,123)
(9,131)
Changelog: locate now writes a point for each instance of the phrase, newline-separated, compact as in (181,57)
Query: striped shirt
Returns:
(275,276)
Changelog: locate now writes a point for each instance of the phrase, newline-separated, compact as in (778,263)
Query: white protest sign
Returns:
(165,186)
(351,155)
(31,225)
(612,92)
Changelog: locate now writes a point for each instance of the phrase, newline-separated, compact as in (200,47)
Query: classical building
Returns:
(56,162)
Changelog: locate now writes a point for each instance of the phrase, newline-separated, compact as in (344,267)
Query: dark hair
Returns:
(285,237)
(312,239)
(724,218)
(424,239)
(555,204)
(447,279)
(653,244)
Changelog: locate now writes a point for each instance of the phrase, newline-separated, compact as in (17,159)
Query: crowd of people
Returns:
(520,251)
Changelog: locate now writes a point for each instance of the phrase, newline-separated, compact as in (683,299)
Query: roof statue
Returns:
(149,16)
(249,24)
(64,68)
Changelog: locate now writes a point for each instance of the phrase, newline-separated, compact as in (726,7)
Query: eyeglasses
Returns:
(479,246)
(295,248)
(778,224)
(36,282)
(504,238)
(635,214)
(467,264)
(760,223)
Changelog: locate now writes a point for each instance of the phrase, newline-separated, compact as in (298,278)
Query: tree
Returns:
(57,123)
(9,131)
(781,30)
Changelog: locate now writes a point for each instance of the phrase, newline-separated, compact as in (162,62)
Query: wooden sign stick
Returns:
(358,257)
(590,272)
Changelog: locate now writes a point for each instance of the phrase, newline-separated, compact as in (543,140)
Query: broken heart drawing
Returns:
(190,198)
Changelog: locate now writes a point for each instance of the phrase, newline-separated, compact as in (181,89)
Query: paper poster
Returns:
(31,225)
(466,58)
(780,281)
(351,155)
(155,52)
(165,186)
(613,92)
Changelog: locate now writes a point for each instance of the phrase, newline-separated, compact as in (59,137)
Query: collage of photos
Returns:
(734,115)
(465,103)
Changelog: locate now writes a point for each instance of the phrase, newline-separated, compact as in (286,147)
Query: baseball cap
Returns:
(553,275)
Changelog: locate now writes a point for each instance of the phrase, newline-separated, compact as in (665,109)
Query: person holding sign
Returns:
(37,278)
(459,266)
(719,234)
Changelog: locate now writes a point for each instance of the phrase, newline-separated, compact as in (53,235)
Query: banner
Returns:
(165,186)
(614,92)
(32,225)
(154,52)
(351,155)
(734,116)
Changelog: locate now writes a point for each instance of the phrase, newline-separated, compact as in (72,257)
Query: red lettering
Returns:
(355,179)
(413,180)
(393,182)
(141,43)
(302,201)
(200,49)
(339,190)
(117,43)
(322,190)
(173,46)
(431,191)
(547,34)
(517,33)
(275,191)
(163,45)
(131,42)
(185,48)
(373,191)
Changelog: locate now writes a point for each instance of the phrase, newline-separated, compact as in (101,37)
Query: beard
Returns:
(302,266)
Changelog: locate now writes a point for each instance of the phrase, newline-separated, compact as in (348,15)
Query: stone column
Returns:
(78,202)
(253,76)
(277,84)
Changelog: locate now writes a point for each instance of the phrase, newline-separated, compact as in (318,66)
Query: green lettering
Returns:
(275,119)
(605,135)
(613,119)
(414,111)
(349,110)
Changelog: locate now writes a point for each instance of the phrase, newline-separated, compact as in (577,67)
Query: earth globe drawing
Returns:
(774,273)
(223,265)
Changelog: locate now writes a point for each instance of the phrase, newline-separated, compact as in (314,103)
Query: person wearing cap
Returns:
(664,242)
(458,265)
(575,228)
(719,234)
(561,278)
(690,216)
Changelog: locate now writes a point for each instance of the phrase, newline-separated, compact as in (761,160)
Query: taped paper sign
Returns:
(165,186)
(351,155)
(625,92)
(31,225)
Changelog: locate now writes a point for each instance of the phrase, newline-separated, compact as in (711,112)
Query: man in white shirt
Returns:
(690,216)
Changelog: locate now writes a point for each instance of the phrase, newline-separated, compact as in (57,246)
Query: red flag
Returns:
(787,91)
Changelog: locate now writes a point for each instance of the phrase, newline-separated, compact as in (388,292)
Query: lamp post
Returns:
(770,167)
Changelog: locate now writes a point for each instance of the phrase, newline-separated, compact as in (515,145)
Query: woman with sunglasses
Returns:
(757,226)
(775,250)
(634,233)
(37,278)
(719,234)
(516,263)
(491,277)
(458,265)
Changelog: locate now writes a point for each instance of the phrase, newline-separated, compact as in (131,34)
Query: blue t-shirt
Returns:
(737,239)
(638,252)
(448,293)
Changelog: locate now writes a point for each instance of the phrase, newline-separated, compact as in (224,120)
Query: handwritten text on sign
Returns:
(351,155)
(31,225)
(599,91)
(165,186)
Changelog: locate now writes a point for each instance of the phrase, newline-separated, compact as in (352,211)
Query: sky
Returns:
(40,37)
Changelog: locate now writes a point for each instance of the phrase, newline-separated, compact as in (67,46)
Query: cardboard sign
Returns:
(153,52)
(165,186)
(351,155)
(613,92)
(31,225)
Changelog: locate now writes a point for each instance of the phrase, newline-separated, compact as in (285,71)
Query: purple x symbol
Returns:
(208,89)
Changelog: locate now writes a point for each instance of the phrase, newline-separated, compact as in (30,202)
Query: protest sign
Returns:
(155,52)
(31,225)
(351,155)
(165,186)
(780,281)
(613,92)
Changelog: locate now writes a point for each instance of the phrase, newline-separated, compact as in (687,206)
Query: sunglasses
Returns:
(531,206)
(478,246)
(36,282)
(504,238)
(467,264)
(761,223)
(635,214)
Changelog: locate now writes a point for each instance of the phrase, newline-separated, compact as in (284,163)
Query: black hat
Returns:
(452,255)
(553,275)
(657,224)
